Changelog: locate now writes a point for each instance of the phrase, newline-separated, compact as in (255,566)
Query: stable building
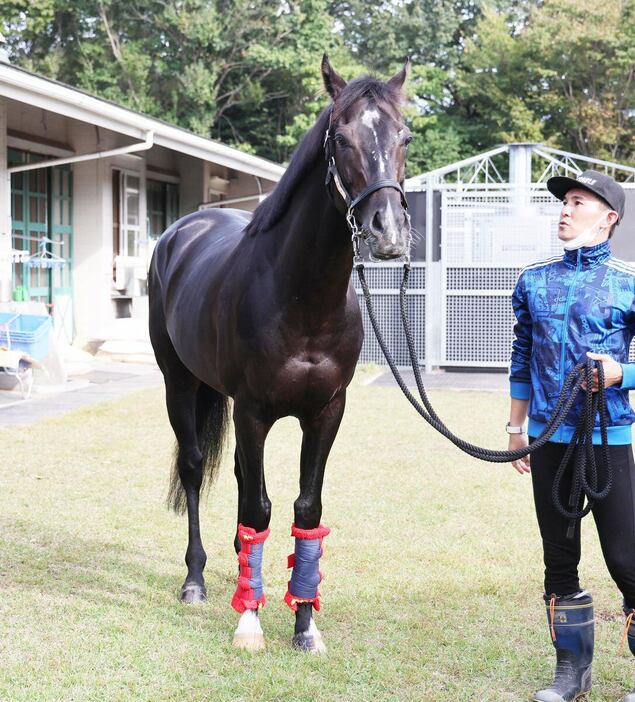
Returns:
(86,188)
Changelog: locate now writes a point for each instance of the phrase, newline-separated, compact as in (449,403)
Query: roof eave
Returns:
(24,86)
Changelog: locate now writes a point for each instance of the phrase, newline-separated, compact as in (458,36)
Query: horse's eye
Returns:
(407,140)
(341,141)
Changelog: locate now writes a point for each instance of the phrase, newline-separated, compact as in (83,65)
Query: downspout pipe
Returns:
(132,148)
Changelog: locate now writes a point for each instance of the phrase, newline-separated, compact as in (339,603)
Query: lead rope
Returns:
(584,478)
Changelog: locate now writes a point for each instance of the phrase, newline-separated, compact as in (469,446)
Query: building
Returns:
(86,186)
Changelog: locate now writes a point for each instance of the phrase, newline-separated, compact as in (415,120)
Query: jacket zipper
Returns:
(565,331)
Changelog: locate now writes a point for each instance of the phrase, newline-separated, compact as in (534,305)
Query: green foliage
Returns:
(558,71)
(565,77)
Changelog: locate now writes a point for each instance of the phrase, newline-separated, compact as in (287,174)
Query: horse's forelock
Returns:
(382,94)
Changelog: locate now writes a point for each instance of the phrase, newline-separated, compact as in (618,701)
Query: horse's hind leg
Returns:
(303,596)
(198,415)
(181,399)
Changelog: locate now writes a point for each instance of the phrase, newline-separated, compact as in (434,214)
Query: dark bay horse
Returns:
(263,311)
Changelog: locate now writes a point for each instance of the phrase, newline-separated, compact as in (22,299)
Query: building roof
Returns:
(33,89)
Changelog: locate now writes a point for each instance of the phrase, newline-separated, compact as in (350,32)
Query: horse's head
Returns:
(367,139)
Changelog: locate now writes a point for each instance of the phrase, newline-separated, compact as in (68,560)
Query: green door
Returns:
(41,206)
(61,232)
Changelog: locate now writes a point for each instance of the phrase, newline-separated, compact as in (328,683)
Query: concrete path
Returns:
(450,380)
(101,381)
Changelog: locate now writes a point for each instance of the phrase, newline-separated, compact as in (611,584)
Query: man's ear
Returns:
(332,81)
(611,218)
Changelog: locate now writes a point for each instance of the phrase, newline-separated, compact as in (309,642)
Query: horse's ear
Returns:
(332,81)
(398,80)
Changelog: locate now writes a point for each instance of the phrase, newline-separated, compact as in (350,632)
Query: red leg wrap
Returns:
(249,593)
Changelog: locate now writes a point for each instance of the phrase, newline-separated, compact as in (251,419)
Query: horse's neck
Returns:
(314,256)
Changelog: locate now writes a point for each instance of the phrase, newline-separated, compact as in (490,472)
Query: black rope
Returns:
(584,480)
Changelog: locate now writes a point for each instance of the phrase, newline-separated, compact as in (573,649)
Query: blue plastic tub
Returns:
(27,332)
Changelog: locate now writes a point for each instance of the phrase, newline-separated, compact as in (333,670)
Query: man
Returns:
(568,308)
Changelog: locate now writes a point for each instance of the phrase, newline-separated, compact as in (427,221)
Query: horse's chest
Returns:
(307,380)
(301,375)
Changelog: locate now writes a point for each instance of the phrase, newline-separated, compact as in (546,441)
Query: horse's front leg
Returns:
(253,528)
(303,596)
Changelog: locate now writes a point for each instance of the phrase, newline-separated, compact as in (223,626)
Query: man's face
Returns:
(582,210)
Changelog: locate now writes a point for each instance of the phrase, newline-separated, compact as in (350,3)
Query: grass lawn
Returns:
(433,572)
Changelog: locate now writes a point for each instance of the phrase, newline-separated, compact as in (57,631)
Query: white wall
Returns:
(192,187)
(92,198)
(92,248)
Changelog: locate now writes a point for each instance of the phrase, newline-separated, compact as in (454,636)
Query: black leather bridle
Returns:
(351,203)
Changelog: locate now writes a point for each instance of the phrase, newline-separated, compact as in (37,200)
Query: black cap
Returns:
(595,182)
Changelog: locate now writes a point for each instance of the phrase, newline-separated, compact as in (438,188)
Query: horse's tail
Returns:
(212,422)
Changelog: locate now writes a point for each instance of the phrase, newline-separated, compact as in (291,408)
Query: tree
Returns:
(565,76)
(236,70)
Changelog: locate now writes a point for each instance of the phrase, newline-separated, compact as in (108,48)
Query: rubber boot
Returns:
(571,625)
(630,620)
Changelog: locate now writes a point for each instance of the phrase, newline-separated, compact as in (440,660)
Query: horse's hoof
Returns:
(248,635)
(308,642)
(249,641)
(191,593)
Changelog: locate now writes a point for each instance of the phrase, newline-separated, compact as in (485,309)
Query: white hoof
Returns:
(318,643)
(249,635)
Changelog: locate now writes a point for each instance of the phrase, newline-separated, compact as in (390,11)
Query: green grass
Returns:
(433,572)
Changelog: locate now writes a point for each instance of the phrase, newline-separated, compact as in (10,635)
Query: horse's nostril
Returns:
(377,221)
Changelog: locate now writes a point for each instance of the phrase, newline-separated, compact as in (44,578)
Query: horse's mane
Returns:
(310,149)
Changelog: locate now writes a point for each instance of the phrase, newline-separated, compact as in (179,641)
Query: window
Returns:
(163,206)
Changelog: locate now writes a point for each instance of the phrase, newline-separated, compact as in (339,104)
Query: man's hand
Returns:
(517,441)
(612,371)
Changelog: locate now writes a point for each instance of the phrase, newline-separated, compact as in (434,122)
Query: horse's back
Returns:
(195,242)
(187,269)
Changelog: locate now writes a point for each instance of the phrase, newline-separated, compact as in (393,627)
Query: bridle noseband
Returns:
(332,174)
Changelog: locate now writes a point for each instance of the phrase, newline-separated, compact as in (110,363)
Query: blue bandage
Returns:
(305,561)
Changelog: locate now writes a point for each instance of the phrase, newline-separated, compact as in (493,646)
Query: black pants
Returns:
(614,518)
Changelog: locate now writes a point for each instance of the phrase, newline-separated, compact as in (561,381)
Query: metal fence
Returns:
(460,307)
(384,281)
(487,238)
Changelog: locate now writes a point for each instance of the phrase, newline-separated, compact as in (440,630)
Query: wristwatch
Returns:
(514,430)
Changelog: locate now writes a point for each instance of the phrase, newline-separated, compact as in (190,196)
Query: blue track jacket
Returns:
(565,306)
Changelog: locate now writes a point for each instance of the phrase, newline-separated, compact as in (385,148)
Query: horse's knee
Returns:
(265,508)
(307,513)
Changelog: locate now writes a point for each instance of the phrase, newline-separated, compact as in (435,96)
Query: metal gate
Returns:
(487,238)
(384,281)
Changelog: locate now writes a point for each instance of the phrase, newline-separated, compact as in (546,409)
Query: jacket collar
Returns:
(590,256)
